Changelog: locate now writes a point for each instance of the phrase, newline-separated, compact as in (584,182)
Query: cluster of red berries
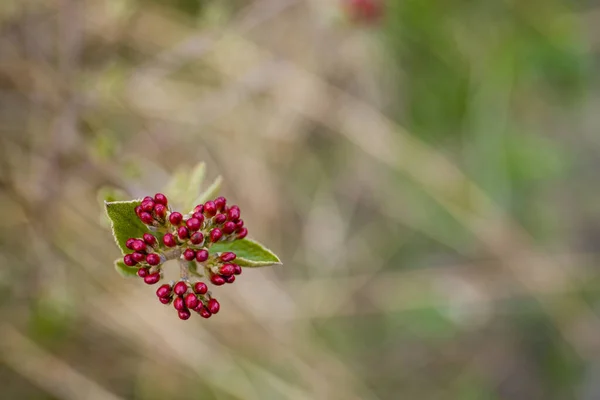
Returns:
(186,297)
(188,239)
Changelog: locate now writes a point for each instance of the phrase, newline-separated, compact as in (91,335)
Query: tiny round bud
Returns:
(175,218)
(165,300)
(129,261)
(204,313)
(143,272)
(138,210)
(199,216)
(220,203)
(238,269)
(139,245)
(215,235)
(129,243)
(227,256)
(230,278)
(193,224)
(200,288)
(233,214)
(180,288)
(227,269)
(242,233)
(217,280)
(153,259)
(220,218)
(228,227)
(149,239)
(164,291)
(178,303)
(138,257)
(239,224)
(202,255)
(183,232)
(152,278)
(213,306)
(189,254)
(197,238)
(184,314)
(169,240)
(191,301)
(160,210)
(199,209)
(209,208)
(160,199)
(146,218)
(148,205)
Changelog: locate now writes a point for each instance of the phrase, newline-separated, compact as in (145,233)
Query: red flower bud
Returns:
(197,238)
(138,257)
(213,306)
(189,254)
(191,301)
(229,227)
(215,235)
(183,232)
(146,218)
(242,233)
(193,224)
(220,203)
(169,240)
(209,208)
(227,256)
(217,280)
(160,210)
(200,288)
(233,214)
(227,269)
(180,288)
(164,291)
(148,205)
(202,255)
(153,259)
(204,313)
(129,261)
(184,314)
(143,272)
(152,278)
(175,218)
(179,304)
(160,199)
(149,239)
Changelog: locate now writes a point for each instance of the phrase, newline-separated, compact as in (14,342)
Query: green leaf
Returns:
(249,253)
(124,270)
(210,193)
(124,222)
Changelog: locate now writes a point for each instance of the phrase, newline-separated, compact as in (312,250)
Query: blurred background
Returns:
(426,170)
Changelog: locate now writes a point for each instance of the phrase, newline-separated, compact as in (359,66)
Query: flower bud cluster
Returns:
(188,239)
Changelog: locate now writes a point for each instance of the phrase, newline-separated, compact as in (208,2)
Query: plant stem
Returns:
(184,269)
